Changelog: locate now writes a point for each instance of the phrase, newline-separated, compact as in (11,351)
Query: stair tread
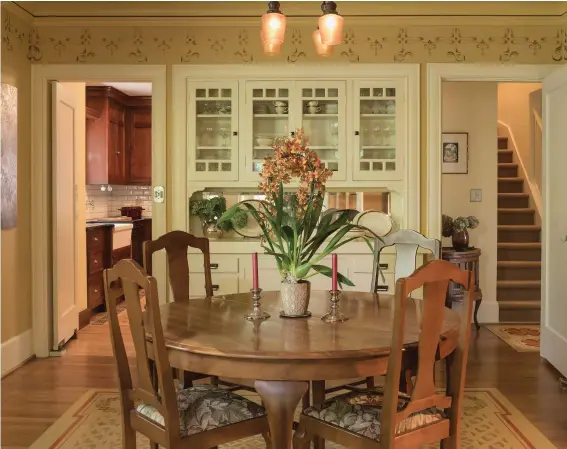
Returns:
(528,304)
(505,150)
(511,179)
(519,227)
(514,284)
(514,195)
(519,245)
(507,164)
(517,210)
(519,263)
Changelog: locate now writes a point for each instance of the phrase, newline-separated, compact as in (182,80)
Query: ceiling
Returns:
(131,89)
(77,9)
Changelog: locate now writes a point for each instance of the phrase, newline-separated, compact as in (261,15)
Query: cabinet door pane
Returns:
(213,131)
(380,130)
(268,112)
(321,108)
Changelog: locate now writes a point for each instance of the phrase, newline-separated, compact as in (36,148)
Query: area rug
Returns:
(522,337)
(490,421)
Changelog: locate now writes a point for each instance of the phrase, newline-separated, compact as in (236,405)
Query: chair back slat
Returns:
(176,245)
(406,242)
(132,277)
(434,277)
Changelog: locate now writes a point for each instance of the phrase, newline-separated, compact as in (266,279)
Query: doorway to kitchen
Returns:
(95,197)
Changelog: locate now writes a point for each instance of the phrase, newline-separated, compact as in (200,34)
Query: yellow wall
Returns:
(471,107)
(514,111)
(16,242)
(236,41)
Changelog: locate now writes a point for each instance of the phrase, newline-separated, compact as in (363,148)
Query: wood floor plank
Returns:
(36,395)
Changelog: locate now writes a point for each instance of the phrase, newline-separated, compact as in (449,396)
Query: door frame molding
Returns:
(41,235)
(436,74)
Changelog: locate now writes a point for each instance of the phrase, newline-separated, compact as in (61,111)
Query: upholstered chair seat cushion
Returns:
(360,412)
(205,407)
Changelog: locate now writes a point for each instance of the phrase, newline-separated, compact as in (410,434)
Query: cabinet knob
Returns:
(235,133)
(95,239)
(214,266)
(118,152)
(356,133)
(95,262)
(215,287)
(293,133)
(96,290)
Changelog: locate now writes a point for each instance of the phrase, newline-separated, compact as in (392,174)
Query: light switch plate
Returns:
(476,195)
(159,194)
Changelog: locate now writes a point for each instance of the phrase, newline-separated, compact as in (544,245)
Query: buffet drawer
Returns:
(219,263)
(223,284)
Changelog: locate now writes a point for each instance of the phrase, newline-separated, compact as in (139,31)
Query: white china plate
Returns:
(378,222)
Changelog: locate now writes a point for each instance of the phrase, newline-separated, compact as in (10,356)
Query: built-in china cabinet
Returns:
(362,120)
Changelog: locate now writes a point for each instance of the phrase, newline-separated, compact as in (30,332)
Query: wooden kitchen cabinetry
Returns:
(118,137)
(99,257)
(141,232)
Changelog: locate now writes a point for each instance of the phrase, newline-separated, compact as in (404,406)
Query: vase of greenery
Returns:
(457,229)
(295,232)
(209,210)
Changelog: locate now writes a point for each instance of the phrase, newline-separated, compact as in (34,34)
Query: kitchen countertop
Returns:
(99,225)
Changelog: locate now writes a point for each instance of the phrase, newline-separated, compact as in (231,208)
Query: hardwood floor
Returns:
(34,396)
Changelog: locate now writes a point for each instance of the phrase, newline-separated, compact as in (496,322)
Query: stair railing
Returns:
(536,150)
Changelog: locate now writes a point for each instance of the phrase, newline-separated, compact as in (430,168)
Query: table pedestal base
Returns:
(280,399)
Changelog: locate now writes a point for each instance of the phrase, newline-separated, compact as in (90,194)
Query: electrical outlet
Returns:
(159,194)
(476,195)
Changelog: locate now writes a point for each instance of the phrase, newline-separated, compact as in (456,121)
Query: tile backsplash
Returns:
(100,204)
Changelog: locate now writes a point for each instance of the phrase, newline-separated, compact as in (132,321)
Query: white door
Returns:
(554,305)
(65,311)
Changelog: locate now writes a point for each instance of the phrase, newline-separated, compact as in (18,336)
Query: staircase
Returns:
(518,287)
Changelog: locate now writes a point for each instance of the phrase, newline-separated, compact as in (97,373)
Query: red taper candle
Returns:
(335,273)
(255,270)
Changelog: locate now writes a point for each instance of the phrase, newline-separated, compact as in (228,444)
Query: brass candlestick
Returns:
(334,316)
(257,313)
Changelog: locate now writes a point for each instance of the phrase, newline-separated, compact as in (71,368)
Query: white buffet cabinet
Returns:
(362,119)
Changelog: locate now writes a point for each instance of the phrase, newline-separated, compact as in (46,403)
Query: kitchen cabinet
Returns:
(213,131)
(118,137)
(358,127)
(99,257)
(139,144)
(141,232)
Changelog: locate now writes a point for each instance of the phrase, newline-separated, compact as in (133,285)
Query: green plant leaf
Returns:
(326,271)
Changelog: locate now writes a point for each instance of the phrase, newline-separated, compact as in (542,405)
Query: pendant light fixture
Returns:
(273,25)
(321,48)
(331,24)
(270,48)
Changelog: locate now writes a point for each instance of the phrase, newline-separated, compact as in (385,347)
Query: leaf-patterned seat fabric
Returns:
(360,412)
(205,407)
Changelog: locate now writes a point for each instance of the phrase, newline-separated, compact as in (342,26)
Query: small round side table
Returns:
(466,260)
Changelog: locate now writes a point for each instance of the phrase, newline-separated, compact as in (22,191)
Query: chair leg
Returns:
(267,439)
(187,381)
(301,439)
(153,445)
(215,381)
(370,382)
(128,436)
(318,387)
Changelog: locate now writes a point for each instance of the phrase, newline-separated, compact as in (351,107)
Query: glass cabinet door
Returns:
(379,130)
(268,107)
(213,131)
(321,107)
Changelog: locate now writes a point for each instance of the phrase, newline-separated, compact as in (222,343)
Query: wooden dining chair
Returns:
(174,420)
(176,245)
(385,418)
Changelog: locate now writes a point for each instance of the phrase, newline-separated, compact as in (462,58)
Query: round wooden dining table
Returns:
(281,355)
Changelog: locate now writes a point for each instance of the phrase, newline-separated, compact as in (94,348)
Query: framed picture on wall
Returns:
(455,153)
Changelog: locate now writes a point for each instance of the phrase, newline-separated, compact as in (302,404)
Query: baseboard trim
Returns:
(17,351)
(85,318)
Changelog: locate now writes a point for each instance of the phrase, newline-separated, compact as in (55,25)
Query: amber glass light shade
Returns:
(272,48)
(320,47)
(331,29)
(273,27)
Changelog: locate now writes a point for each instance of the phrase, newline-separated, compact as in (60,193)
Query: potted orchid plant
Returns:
(295,231)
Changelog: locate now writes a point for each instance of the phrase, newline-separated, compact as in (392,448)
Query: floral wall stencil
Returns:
(9,154)
(527,44)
